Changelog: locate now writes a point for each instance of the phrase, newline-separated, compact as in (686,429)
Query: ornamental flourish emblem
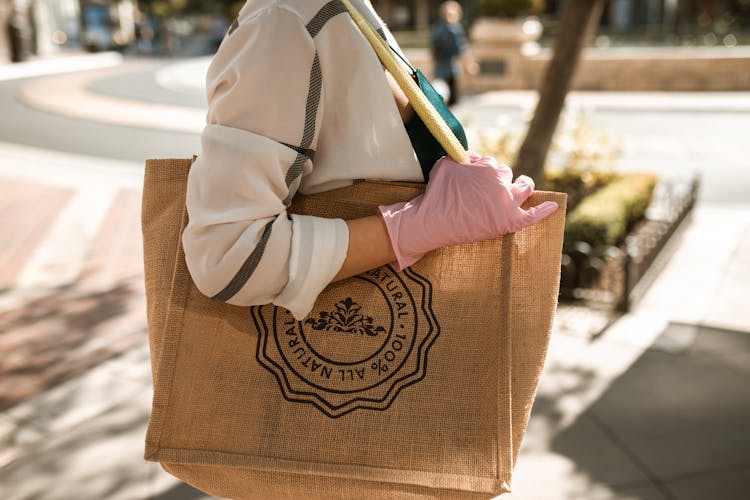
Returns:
(345,319)
(366,339)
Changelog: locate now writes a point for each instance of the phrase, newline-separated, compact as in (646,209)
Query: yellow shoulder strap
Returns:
(419,102)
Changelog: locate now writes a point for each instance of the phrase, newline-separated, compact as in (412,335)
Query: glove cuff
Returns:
(393,217)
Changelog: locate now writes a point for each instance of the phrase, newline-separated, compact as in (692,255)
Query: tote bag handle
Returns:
(419,102)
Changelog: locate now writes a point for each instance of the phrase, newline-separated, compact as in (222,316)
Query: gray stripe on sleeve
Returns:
(325,14)
(293,173)
(311,113)
(310,153)
(247,269)
(313,100)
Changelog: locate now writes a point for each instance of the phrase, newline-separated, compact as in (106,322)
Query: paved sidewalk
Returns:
(74,376)
(656,407)
(63,63)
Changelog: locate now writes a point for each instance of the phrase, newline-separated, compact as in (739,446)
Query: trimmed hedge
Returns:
(577,183)
(603,218)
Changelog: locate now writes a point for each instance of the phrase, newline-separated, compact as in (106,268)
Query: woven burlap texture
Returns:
(234,414)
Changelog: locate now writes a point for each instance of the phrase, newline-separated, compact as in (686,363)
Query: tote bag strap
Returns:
(418,100)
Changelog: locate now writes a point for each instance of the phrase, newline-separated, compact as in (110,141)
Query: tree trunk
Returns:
(579,19)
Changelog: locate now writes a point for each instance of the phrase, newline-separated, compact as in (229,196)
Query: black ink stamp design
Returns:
(358,349)
(345,319)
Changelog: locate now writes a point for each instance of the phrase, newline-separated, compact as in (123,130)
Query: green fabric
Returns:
(427,148)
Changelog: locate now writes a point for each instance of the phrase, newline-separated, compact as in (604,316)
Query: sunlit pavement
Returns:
(656,407)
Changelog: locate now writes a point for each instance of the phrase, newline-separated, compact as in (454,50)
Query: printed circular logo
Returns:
(366,340)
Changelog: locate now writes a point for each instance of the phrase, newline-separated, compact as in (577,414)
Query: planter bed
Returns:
(615,276)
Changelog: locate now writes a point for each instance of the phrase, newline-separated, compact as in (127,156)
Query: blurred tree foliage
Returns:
(170,8)
(509,8)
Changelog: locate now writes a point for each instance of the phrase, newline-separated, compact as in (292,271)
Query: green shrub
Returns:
(576,182)
(603,218)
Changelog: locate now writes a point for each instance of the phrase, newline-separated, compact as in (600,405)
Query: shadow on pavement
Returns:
(675,425)
(59,336)
(181,492)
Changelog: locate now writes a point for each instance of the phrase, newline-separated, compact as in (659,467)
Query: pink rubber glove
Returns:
(461,204)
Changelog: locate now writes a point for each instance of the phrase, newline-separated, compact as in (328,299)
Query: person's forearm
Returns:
(369,247)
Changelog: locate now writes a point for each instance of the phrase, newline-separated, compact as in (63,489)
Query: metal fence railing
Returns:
(620,275)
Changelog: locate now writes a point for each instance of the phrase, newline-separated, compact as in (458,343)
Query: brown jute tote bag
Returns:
(416,384)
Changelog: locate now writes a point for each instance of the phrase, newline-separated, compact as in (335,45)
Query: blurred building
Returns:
(665,18)
(18,38)
(45,27)
(57,24)
(106,24)
(641,45)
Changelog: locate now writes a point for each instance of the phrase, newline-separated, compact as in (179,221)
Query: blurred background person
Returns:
(448,47)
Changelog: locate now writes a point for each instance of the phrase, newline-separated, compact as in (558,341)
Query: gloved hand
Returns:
(462,203)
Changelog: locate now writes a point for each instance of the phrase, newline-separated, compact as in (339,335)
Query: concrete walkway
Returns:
(60,64)
(657,407)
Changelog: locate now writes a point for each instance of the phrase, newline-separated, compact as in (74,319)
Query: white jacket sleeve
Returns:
(264,94)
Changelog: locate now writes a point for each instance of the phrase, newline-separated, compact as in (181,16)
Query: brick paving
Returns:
(75,379)
(22,229)
(77,325)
